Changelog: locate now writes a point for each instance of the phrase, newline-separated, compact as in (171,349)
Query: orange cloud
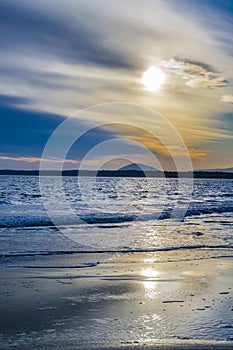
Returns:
(36,159)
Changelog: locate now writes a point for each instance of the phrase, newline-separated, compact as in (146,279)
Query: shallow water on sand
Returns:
(133,297)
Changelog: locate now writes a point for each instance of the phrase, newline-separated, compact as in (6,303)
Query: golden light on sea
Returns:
(149,272)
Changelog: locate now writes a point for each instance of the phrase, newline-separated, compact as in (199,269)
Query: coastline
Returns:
(196,174)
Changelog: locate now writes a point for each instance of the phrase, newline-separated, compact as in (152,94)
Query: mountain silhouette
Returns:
(137,167)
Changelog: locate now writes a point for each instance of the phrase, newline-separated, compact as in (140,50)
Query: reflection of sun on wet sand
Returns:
(129,301)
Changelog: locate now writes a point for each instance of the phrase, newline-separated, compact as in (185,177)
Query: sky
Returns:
(59,58)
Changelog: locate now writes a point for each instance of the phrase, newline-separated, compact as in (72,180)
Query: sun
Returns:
(153,78)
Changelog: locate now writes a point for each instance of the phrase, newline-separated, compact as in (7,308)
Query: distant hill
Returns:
(137,172)
(137,167)
(222,170)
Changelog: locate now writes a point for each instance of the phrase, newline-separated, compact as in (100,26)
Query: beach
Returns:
(167,300)
(127,275)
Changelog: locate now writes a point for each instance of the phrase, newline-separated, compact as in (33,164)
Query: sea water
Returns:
(113,215)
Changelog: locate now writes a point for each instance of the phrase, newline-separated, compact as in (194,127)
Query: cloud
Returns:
(70,36)
(36,159)
(197,154)
(66,56)
(196,74)
(227,98)
(7,101)
(194,153)
(25,133)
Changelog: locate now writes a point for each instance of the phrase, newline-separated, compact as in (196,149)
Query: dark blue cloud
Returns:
(220,6)
(25,133)
(24,28)
(227,118)
(6,100)
(89,140)
(224,6)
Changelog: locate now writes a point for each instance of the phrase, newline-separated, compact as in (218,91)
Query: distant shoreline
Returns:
(122,173)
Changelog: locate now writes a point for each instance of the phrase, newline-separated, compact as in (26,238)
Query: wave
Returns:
(4,202)
(209,210)
(79,266)
(114,218)
(111,251)
(25,221)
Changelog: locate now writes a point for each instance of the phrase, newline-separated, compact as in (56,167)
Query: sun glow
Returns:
(153,78)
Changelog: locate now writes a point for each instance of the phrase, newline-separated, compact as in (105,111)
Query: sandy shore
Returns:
(158,345)
(129,301)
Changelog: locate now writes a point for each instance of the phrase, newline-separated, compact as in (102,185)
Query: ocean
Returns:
(113,215)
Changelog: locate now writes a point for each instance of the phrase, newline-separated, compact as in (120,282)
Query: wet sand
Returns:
(129,301)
